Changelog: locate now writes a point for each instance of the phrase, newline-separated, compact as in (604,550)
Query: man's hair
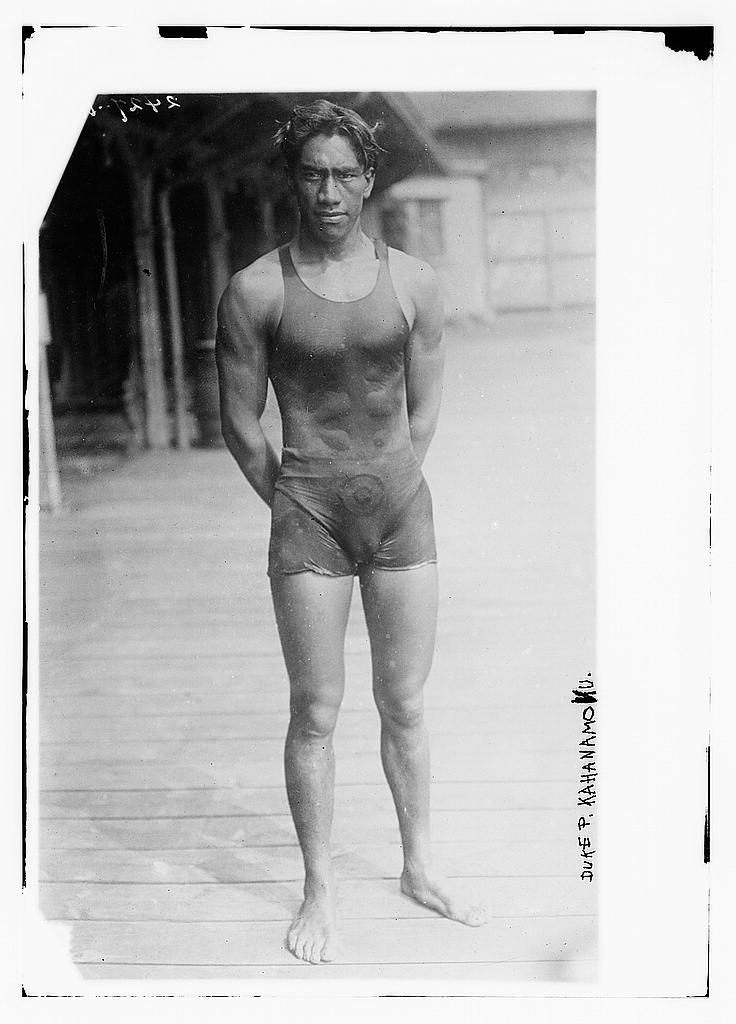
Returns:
(325,118)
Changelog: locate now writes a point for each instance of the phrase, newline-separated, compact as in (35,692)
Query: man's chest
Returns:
(340,282)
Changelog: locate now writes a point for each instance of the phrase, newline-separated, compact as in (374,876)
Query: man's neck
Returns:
(317,250)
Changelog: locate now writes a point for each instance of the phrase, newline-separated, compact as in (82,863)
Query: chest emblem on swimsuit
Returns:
(362,494)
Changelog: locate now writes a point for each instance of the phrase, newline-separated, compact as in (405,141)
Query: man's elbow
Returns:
(422,423)
(229,432)
(424,412)
(241,436)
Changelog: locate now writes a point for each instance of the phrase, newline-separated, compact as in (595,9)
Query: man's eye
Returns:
(346,176)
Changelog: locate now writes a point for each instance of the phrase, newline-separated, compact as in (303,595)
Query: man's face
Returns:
(330,186)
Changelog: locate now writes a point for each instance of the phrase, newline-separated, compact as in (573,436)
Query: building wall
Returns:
(540,218)
(518,219)
(440,220)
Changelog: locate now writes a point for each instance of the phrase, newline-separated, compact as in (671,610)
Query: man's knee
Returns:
(400,712)
(314,718)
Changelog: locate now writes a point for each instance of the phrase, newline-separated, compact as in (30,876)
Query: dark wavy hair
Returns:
(325,118)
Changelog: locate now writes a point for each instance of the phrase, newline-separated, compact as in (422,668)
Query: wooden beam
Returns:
(179,145)
(146,133)
(177,336)
(401,107)
(228,168)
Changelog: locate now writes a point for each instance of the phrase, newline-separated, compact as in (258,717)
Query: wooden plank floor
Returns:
(165,839)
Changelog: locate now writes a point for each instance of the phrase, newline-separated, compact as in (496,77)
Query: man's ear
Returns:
(370,177)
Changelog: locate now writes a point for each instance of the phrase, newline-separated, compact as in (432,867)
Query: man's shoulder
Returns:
(258,279)
(257,290)
(413,273)
(416,282)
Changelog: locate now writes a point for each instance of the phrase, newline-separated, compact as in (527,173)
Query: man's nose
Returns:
(327,190)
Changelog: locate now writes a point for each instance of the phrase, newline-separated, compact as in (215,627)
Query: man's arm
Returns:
(242,364)
(424,360)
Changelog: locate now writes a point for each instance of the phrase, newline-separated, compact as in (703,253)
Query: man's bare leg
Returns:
(311,614)
(401,613)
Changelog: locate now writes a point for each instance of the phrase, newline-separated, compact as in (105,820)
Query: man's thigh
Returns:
(311,615)
(401,614)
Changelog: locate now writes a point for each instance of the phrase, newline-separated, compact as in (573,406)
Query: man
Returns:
(350,334)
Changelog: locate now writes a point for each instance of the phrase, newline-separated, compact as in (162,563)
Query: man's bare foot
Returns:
(433,892)
(313,931)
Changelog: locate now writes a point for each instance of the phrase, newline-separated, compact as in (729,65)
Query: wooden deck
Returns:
(165,838)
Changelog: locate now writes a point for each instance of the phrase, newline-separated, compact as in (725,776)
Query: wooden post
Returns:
(218,247)
(49,469)
(133,395)
(268,223)
(70,331)
(138,164)
(157,424)
(177,337)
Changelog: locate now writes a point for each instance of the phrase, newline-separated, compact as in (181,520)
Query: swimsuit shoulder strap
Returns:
(385,287)
(287,264)
(381,249)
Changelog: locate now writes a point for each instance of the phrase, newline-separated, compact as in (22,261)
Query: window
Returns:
(394,226)
(429,234)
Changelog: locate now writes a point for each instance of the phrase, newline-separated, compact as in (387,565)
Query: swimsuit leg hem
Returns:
(317,571)
(400,568)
